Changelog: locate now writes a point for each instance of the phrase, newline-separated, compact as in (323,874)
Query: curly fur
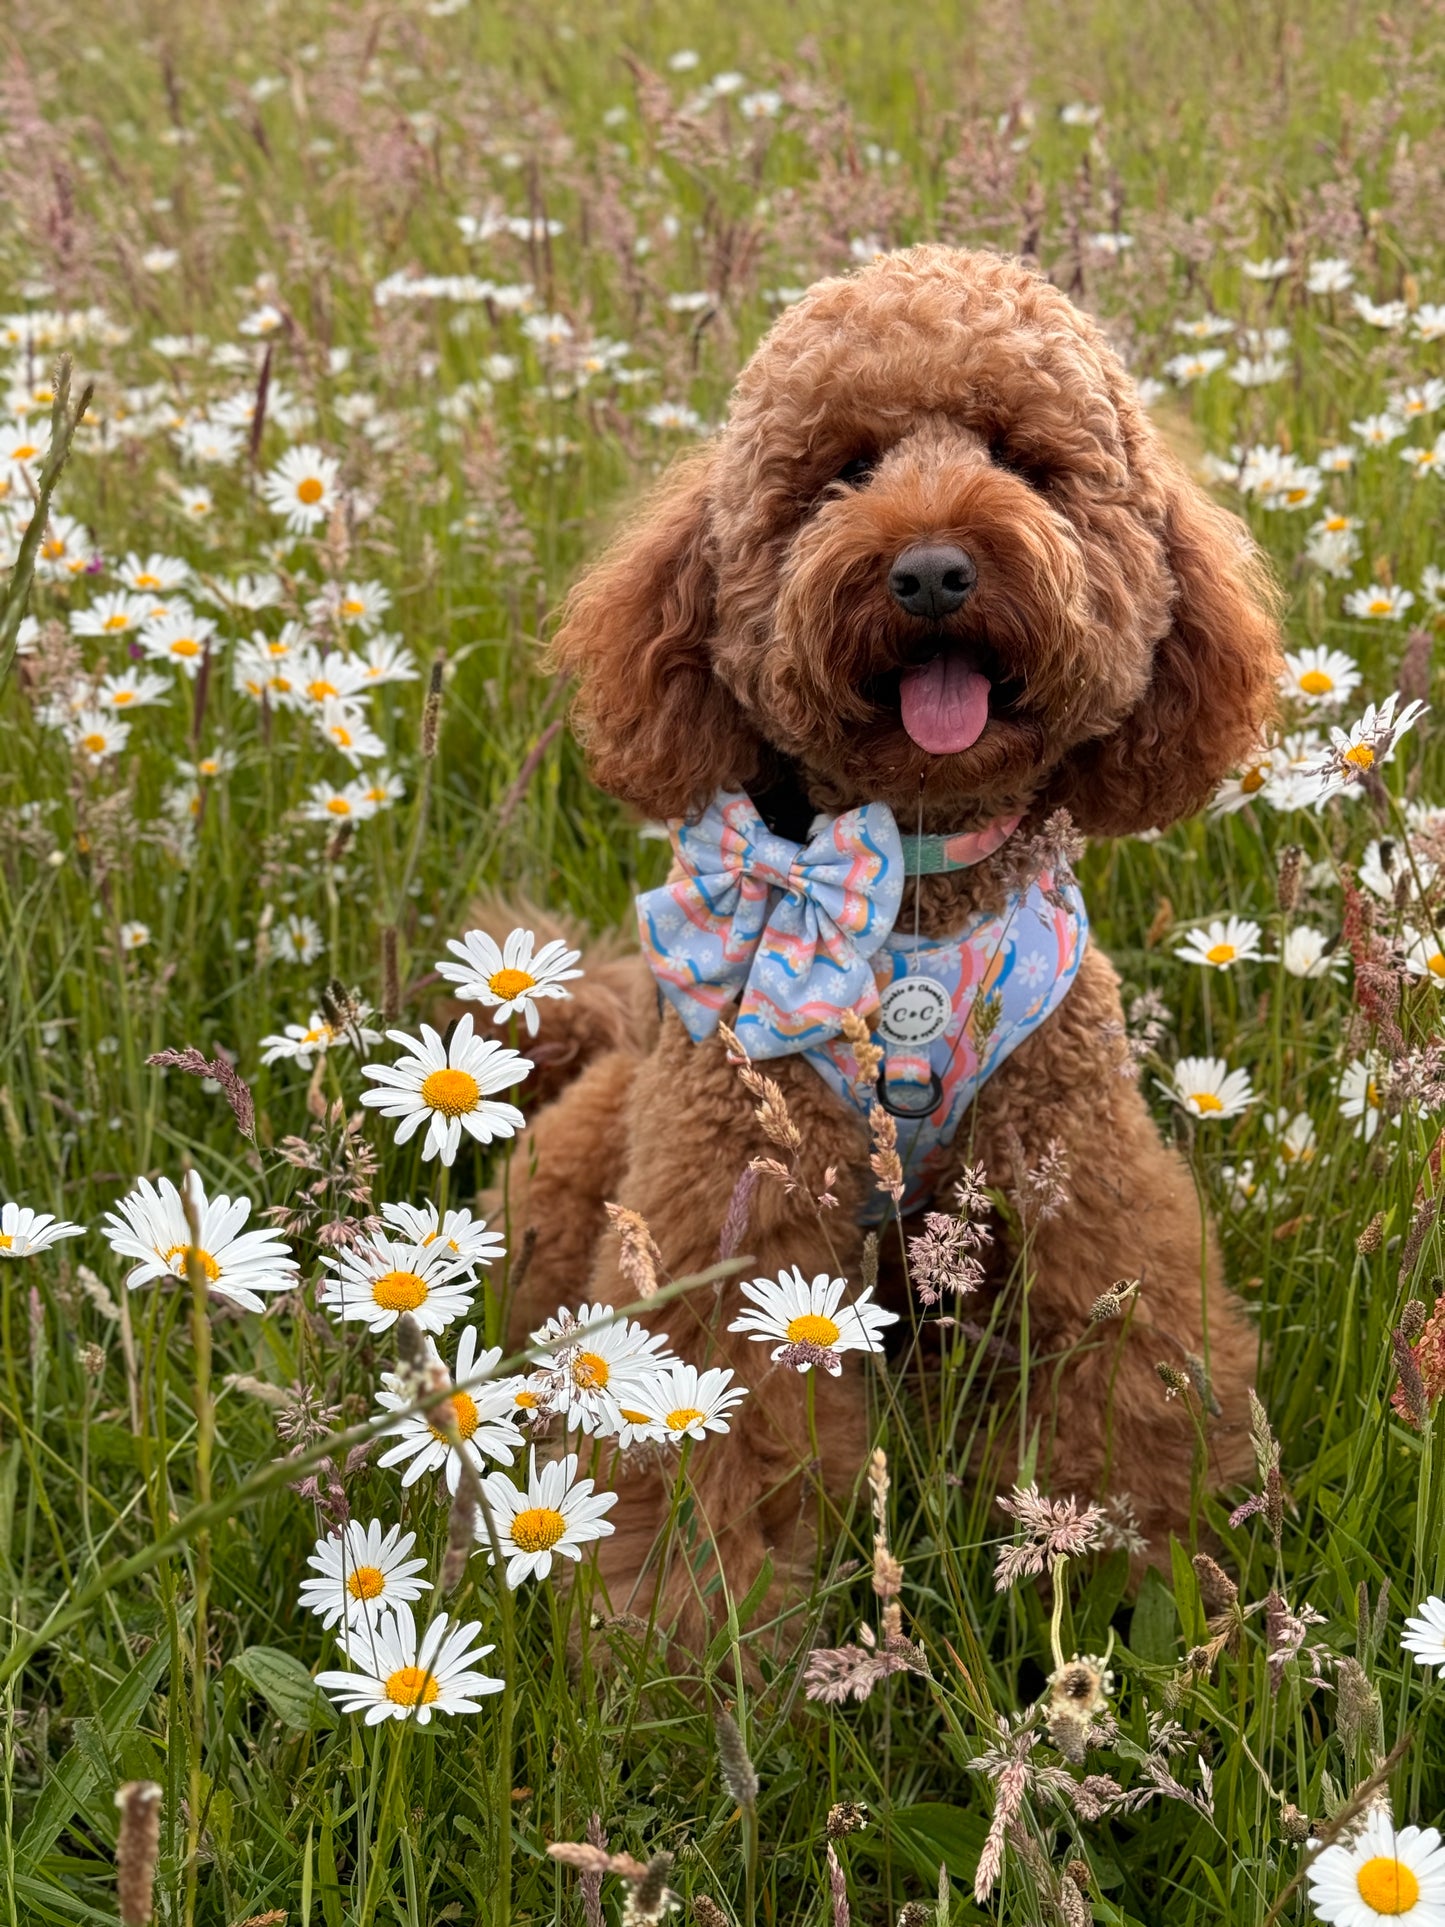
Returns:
(740,630)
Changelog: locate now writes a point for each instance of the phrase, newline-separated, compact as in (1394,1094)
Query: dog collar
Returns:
(929,856)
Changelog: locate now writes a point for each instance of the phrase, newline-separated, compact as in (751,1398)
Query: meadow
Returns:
(360,326)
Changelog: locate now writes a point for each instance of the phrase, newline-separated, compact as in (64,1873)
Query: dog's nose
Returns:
(932,579)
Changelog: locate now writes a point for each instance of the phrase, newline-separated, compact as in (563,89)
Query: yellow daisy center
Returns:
(635,1418)
(367,1582)
(526,1401)
(321,689)
(185,646)
(180,1256)
(338,806)
(94,744)
(122,697)
(400,1291)
(341,735)
(1387,1885)
(410,1686)
(1205,1101)
(507,984)
(52,547)
(812,1328)
(146,582)
(117,622)
(7,1243)
(310,490)
(1314,682)
(1362,756)
(464,1416)
(538,1528)
(1220,953)
(1337,524)
(1372,1095)
(451,1092)
(1436,965)
(1252,780)
(590,1371)
(278,648)
(1380,605)
(684,1416)
(24,452)
(352,607)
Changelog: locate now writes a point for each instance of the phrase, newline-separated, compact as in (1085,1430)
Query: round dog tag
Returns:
(915,1010)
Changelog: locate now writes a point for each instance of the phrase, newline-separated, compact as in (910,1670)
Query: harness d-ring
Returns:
(914,1111)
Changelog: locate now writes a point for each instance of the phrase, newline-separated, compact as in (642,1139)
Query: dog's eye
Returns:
(1017,463)
(855,473)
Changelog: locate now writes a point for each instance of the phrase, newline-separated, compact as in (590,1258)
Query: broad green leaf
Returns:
(287,1688)
(1153,1629)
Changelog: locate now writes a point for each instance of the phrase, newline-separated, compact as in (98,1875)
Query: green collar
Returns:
(928,856)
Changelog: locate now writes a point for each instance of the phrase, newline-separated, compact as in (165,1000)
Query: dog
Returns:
(937,567)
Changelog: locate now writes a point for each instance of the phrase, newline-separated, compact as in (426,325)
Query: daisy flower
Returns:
(1366,745)
(150,573)
(96,734)
(1378,431)
(298,939)
(466,1237)
(1307,952)
(360,603)
(557,1513)
(1237,790)
(180,638)
(1424,1634)
(386,658)
(326,675)
(1207,1087)
(1360,1096)
(1426,461)
(483,1416)
(448,1088)
(1424,957)
(588,1367)
(120,613)
(134,936)
(23,1232)
(1318,676)
(511,977)
(131,689)
(302,487)
(1222,943)
(399,1677)
(363,1573)
(376,1281)
(380,788)
(810,1321)
(690,1403)
(338,802)
(1272,268)
(1296,1136)
(1382,602)
(1386,871)
(1380,1874)
(300,1043)
(150,1224)
(345,725)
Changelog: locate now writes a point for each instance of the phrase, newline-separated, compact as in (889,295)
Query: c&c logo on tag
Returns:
(915,1010)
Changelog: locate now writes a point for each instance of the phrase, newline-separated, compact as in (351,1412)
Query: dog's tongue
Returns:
(945,704)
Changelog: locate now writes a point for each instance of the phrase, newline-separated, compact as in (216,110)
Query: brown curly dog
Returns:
(751,630)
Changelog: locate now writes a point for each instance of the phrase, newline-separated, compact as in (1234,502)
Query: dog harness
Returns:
(799,934)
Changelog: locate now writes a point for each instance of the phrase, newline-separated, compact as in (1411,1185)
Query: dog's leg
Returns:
(691,1133)
(1131,1211)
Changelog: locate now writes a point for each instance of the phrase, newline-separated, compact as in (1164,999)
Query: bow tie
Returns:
(791,926)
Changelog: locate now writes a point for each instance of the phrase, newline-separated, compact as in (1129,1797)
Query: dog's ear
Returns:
(1213,684)
(660,730)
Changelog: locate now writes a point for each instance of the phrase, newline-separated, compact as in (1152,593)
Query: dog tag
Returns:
(915,1010)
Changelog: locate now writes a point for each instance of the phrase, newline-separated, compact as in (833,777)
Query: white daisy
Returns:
(360,603)
(588,1368)
(448,1088)
(363,1573)
(131,689)
(1244,786)
(345,725)
(466,1237)
(1222,943)
(810,1321)
(338,803)
(96,734)
(690,1403)
(1424,1634)
(1424,957)
(375,1282)
(386,658)
(1386,871)
(134,936)
(1360,1095)
(303,486)
(1380,1875)
(1366,745)
(180,637)
(398,1677)
(1426,461)
(150,573)
(1296,1139)
(1207,1087)
(1378,431)
(23,1232)
(300,1043)
(1382,602)
(482,1413)
(325,675)
(1307,952)
(150,1224)
(557,1513)
(510,976)
(1319,677)
(298,939)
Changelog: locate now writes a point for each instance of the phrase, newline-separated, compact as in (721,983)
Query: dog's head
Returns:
(937,555)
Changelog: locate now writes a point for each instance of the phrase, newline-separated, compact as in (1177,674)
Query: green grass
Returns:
(150,1546)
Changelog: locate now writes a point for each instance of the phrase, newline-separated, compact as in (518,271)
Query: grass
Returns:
(150,1542)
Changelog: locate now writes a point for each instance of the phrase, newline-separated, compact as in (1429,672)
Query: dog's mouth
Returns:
(946,694)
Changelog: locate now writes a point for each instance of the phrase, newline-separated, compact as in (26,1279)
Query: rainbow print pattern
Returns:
(788,926)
